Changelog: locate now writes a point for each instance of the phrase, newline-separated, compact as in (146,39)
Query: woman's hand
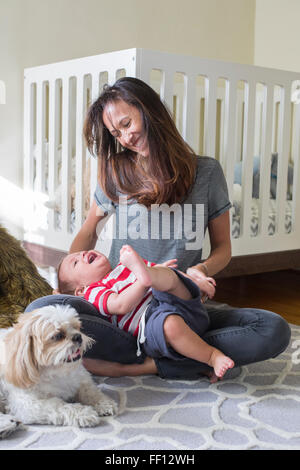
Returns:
(206,284)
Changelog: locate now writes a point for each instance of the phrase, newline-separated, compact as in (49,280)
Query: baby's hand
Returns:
(171,263)
(206,284)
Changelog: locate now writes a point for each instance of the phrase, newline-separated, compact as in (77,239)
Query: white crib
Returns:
(245,116)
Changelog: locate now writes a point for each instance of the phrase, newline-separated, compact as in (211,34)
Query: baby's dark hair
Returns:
(64,287)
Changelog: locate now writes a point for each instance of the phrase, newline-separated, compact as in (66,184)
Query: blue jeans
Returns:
(246,335)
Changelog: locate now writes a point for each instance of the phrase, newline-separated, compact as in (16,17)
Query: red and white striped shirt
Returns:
(116,281)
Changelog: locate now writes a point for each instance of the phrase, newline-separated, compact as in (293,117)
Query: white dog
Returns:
(41,371)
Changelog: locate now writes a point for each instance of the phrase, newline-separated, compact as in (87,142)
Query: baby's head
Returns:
(78,270)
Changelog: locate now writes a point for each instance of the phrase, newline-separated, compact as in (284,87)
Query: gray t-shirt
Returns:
(166,232)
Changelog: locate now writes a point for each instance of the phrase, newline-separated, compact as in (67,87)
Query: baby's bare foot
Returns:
(132,260)
(220,363)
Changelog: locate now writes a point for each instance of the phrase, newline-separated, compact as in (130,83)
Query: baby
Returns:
(159,305)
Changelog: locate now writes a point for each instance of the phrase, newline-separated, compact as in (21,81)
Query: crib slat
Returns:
(66,158)
(40,165)
(283,157)
(111,79)
(167,89)
(248,149)
(265,163)
(189,110)
(28,135)
(80,161)
(229,132)
(210,116)
(93,161)
(53,133)
(145,74)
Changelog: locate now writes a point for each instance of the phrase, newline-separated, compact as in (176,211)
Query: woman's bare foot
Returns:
(132,260)
(220,364)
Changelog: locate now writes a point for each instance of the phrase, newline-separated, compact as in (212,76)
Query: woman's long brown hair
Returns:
(171,163)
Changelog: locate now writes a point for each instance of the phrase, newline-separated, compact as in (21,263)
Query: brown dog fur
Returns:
(20,282)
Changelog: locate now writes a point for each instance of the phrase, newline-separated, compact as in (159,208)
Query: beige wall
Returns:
(11,112)
(36,32)
(11,74)
(63,29)
(277,34)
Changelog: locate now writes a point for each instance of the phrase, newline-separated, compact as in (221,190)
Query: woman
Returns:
(164,198)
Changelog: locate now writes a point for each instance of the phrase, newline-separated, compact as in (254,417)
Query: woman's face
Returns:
(124,122)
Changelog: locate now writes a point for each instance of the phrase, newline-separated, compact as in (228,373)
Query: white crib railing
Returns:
(232,112)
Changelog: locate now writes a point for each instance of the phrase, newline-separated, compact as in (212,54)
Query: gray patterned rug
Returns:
(256,407)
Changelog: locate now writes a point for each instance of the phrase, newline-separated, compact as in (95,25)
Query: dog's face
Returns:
(47,337)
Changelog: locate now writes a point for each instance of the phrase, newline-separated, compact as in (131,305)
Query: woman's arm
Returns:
(86,238)
(219,257)
(220,253)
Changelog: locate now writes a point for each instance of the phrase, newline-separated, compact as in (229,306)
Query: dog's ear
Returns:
(21,368)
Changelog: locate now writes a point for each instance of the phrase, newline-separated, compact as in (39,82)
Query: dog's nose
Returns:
(77,338)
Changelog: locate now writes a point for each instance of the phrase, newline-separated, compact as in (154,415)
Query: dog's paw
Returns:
(106,407)
(80,415)
(8,425)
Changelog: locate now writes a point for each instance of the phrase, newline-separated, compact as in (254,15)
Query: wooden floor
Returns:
(276,291)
